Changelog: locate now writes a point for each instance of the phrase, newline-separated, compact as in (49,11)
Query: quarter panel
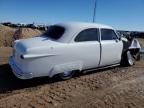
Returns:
(86,52)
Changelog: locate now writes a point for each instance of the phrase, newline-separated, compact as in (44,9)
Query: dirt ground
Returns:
(118,87)
(8,34)
(141,41)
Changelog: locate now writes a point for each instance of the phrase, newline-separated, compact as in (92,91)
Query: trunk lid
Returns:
(24,45)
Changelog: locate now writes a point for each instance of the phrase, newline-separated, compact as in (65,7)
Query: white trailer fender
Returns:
(69,66)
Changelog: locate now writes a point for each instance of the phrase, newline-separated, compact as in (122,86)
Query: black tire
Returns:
(129,59)
(66,75)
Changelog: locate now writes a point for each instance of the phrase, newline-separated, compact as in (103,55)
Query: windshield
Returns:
(55,32)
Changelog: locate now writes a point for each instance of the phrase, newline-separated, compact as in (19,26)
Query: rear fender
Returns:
(70,66)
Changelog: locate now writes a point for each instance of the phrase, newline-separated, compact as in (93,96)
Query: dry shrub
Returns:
(23,33)
(6,36)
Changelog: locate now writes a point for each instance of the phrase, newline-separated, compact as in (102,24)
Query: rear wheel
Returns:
(66,75)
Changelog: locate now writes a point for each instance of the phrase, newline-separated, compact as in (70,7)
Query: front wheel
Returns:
(127,59)
(66,75)
(130,59)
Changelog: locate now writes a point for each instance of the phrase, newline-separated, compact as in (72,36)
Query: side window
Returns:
(88,35)
(108,34)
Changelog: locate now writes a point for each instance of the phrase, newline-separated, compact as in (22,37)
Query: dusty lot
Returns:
(119,87)
(141,41)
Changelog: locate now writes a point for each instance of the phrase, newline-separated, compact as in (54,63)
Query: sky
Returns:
(121,14)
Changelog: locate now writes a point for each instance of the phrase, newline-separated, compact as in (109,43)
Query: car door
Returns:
(111,47)
(88,47)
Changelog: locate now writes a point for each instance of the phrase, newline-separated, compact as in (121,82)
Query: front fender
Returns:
(129,45)
(134,44)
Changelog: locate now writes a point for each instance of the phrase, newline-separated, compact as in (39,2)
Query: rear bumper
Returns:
(17,71)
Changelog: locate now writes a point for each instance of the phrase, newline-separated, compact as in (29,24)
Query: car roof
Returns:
(73,28)
(81,25)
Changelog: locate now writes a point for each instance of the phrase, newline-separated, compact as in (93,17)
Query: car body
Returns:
(67,47)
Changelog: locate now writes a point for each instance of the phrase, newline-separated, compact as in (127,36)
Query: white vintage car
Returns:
(67,48)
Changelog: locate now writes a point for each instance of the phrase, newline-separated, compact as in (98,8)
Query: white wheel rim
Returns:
(130,58)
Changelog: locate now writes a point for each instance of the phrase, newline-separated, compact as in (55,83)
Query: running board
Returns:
(99,68)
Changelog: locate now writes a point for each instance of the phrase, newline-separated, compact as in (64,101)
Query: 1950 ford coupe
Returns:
(67,48)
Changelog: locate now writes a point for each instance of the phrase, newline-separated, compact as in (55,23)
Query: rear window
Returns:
(91,34)
(55,32)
